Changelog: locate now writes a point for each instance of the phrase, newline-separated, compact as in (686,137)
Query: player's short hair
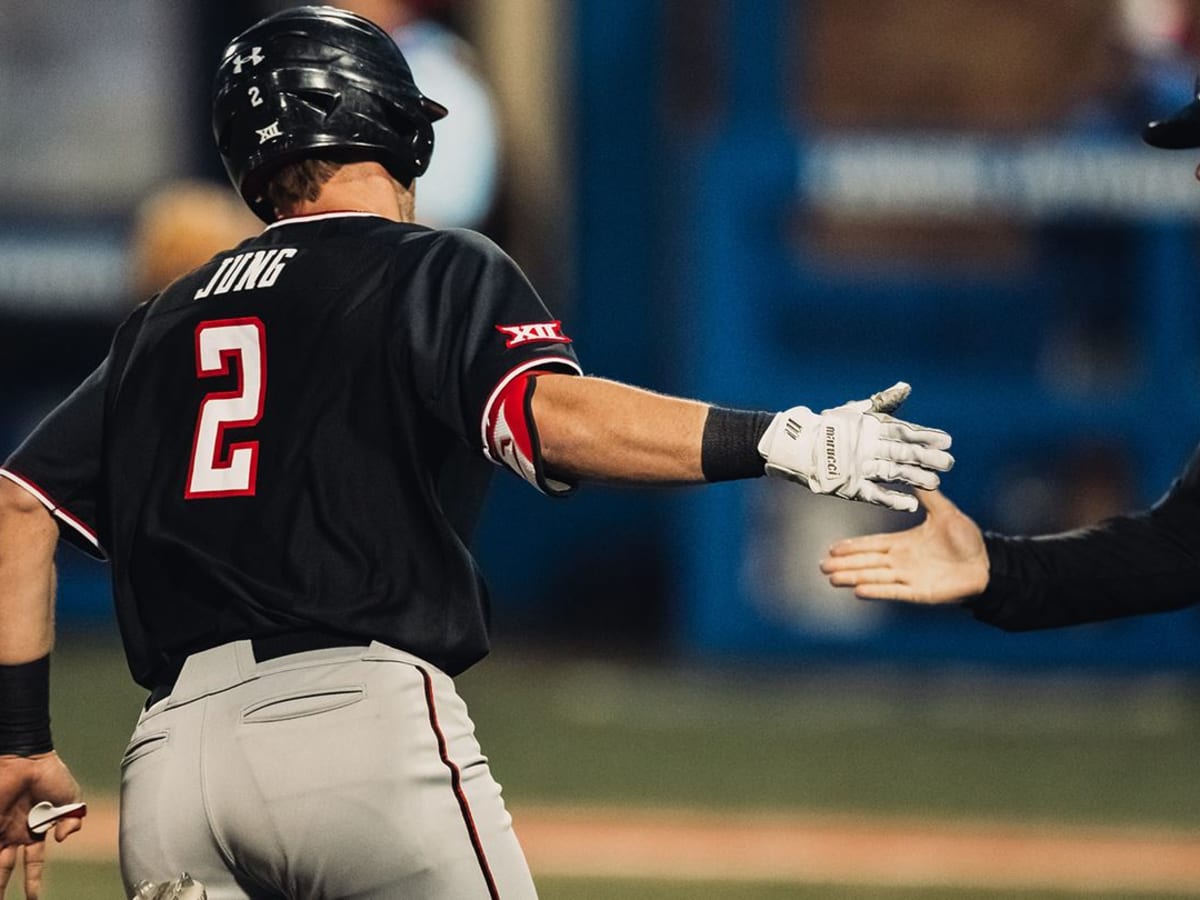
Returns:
(298,182)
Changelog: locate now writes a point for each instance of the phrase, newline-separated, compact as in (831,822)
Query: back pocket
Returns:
(143,746)
(302,704)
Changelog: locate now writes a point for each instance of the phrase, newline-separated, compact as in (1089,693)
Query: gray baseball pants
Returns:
(342,773)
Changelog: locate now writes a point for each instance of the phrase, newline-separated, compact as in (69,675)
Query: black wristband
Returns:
(729,449)
(25,708)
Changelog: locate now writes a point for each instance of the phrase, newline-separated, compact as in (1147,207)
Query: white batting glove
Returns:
(848,450)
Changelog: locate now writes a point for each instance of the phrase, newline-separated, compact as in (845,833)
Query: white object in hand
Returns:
(46,815)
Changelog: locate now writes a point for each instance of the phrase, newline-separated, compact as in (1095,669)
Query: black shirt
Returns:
(291,438)
(1128,565)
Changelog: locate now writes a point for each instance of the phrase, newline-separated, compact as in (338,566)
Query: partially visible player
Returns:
(283,457)
(460,186)
(1143,562)
(179,226)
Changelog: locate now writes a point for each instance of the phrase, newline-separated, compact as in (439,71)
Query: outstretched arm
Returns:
(601,430)
(30,770)
(594,429)
(1128,565)
(942,560)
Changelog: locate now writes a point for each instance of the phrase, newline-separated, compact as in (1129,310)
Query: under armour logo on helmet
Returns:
(254,58)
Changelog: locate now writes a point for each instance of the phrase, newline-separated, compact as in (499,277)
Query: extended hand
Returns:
(942,560)
(848,450)
(24,782)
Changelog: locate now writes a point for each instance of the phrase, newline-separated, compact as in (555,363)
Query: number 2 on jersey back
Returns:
(217,470)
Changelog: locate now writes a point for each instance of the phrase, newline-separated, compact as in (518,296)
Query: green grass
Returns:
(590,889)
(81,881)
(96,881)
(948,745)
(94,705)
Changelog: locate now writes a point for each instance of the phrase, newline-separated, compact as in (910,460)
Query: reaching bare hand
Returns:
(942,560)
(24,782)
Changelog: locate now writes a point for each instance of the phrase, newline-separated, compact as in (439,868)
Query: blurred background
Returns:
(759,203)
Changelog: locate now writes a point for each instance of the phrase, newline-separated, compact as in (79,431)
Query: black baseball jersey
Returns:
(1128,565)
(295,437)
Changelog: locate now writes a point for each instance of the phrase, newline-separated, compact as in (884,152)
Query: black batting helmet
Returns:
(1180,130)
(317,81)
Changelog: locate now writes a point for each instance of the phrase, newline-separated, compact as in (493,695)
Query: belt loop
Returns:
(246,663)
(227,664)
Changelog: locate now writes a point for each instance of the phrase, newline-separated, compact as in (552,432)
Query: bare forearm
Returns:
(588,428)
(596,429)
(28,537)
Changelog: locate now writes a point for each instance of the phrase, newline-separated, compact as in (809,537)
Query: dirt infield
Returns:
(686,844)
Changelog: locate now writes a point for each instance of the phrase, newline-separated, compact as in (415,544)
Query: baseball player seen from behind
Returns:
(1128,565)
(283,456)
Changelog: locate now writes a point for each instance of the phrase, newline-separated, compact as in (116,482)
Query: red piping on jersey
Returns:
(456,785)
(43,498)
(512,373)
(511,406)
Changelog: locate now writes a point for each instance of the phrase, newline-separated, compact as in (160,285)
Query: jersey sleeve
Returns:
(1128,565)
(492,331)
(59,463)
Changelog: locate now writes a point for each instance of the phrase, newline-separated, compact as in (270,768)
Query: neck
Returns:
(361,187)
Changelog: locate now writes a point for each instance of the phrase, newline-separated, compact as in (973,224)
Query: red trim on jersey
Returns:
(456,785)
(541,363)
(509,411)
(54,509)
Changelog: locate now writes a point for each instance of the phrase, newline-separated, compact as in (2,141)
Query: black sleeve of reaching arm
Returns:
(1129,565)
